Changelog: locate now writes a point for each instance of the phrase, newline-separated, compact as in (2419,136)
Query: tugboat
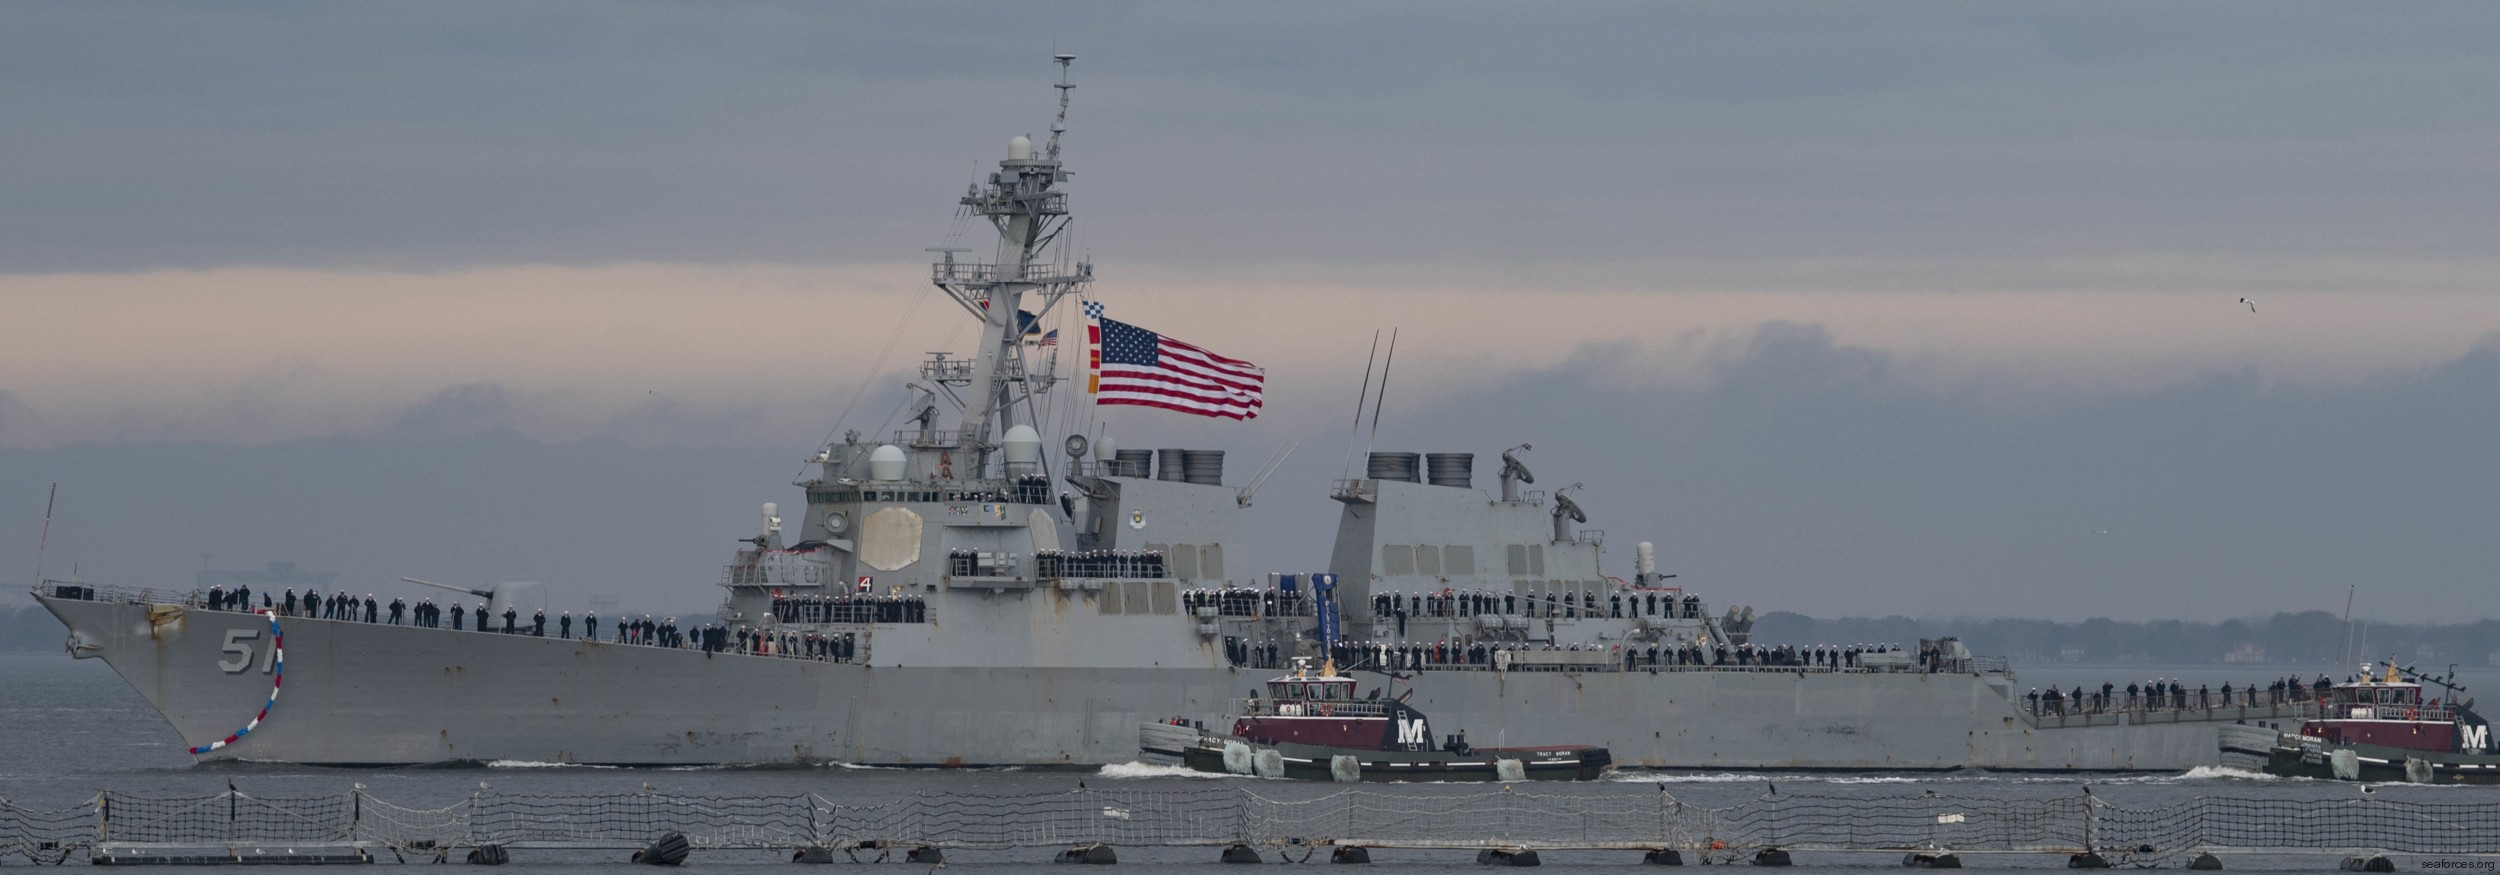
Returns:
(2378,727)
(1313,727)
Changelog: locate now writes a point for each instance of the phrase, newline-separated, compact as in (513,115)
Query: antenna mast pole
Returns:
(1383,398)
(1370,359)
(46,536)
(2343,639)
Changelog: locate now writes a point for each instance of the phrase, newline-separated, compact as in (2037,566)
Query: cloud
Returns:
(460,410)
(773,353)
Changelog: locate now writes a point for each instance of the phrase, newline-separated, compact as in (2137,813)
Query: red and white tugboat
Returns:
(2378,728)
(1313,726)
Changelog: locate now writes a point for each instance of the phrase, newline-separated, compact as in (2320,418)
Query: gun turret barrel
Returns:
(480,593)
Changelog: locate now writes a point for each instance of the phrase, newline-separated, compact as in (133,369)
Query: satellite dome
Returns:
(886,462)
(1023,448)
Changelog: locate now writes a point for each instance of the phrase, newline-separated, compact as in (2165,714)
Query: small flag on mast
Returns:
(1049,338)
(1093,347)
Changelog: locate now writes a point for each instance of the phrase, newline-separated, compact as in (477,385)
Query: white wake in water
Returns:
(1641,777)
(2210,773)
(1151,770)
(531,764)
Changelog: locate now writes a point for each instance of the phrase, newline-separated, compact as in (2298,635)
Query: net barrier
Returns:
(44,835)
(2411,826)
(1269,814)
(708,822)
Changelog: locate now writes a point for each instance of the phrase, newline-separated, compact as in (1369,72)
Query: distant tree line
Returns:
(2306,638)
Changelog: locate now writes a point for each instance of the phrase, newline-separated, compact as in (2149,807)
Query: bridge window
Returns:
(1428,559)
(1459,559)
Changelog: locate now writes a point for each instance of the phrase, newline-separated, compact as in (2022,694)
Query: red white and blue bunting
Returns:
(277,677)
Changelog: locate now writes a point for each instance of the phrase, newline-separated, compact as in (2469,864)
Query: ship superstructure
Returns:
(981,594)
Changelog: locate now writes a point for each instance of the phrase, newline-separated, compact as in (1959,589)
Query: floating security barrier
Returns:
(1352,854)
(1240,853)
(2372,863)
(1508,857)
(2206,862)
(2087,860)
(1662,857)
(115,825)
(812,854)
(1346,769)
(1932,860)
(1099,855)
(925,854)
(669,849)
(1771,857)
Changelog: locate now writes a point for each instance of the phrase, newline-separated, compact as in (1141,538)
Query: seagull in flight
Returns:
(2252,305)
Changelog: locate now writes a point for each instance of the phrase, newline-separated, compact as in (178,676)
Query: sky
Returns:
(2112,309)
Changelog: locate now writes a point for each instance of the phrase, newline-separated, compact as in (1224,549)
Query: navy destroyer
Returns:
(968,592)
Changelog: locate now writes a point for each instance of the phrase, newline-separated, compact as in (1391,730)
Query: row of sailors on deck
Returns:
(2168,694)
(1446,654)
(1402,656)
(709,638)
(1238,601)
(850,609)
(1617,605)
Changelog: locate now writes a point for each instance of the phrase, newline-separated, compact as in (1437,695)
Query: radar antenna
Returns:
(1514,472)
(1566,512)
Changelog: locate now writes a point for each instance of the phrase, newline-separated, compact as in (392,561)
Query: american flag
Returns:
(1050,338)
(1147,369)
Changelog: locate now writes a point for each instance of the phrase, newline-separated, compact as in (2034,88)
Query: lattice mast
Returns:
(1029,213)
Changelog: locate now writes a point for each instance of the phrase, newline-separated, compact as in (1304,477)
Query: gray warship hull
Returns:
(372,694)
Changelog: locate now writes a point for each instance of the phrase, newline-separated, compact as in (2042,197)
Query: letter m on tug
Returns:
(1412,734)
